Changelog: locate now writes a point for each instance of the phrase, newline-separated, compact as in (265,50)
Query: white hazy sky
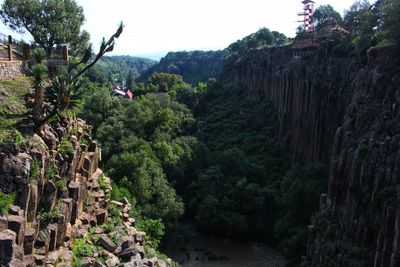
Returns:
(158,26)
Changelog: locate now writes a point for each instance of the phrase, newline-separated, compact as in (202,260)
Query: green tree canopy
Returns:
(50,22)
(324,14)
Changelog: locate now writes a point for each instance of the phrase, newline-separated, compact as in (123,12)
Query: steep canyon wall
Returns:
(349,118)
(310,94)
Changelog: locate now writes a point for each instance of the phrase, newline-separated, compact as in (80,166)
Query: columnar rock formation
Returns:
(359,222)
(349,118)
(310,94)
(61,195)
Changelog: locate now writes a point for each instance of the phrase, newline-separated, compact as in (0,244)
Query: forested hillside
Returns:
(243,152)
(193,66)
(119,68)
(293,143)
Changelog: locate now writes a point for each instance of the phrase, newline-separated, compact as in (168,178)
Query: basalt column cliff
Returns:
(347,117)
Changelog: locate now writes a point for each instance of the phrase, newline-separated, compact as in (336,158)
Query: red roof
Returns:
(129,94)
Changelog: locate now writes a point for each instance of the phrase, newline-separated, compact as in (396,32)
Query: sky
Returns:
(154,27)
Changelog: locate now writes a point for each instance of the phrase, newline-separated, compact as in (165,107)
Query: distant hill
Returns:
(194,66)
(110,68)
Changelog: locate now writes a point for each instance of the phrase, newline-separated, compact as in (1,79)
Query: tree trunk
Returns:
(38,106)
(49,51)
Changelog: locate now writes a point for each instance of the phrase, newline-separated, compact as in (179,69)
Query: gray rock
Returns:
(17,224)
(7,244)
(107,243)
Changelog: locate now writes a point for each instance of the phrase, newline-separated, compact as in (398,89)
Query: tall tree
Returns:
(325,13)
(50,22)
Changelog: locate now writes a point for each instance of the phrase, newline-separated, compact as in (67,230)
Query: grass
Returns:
(12,106)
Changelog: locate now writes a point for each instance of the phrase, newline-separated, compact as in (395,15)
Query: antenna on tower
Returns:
(306,15)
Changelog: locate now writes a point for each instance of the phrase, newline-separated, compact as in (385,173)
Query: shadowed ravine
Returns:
(208,251)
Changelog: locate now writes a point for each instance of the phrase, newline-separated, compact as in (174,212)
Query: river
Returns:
(203,251)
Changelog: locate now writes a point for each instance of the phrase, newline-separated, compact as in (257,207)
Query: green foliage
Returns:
(6,201)
(61,184)
(102,183)
(299,198)
(133,136)
(66,147)
(17,138)
(154,231)
(35,170)
(258,40)
(373,27)
(49,216)
(39,55)
(81,249)
(119,68)
(324,14)
(193,66)
(49,22)
(51,170)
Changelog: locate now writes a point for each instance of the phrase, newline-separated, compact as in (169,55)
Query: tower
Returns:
(306,15)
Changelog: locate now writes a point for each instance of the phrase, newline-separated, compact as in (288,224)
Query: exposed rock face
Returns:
(311,96)
(59,198)
(349,119)
(359,225)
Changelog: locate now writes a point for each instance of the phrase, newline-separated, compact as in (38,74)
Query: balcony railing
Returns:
(18,50)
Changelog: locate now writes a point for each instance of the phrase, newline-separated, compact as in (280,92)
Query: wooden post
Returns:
(10,42)
(10,56)
(65,52)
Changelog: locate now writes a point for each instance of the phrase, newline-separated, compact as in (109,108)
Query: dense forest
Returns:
(211,152)
(115,69)
(193,66)
(196,145)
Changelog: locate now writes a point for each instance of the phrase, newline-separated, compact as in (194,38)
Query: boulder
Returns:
(127,253)
(39,259)
(49,137)
(16,210)
(127,242)
(112,262)
(101,216)
(17,224)
(3,223)
(49,196)
(29,240)
(7,246)
(161,263)
(107,243)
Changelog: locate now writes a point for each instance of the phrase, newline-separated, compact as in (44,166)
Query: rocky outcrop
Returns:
(358,224)
(310,95)
(61,197)
(349,118)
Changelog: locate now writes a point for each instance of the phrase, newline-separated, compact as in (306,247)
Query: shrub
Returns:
(51,171)
(81,249)
(17,138)
(6,201)
(102,182)
(61,184)
(35,170)
(66,147)
(154,231)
